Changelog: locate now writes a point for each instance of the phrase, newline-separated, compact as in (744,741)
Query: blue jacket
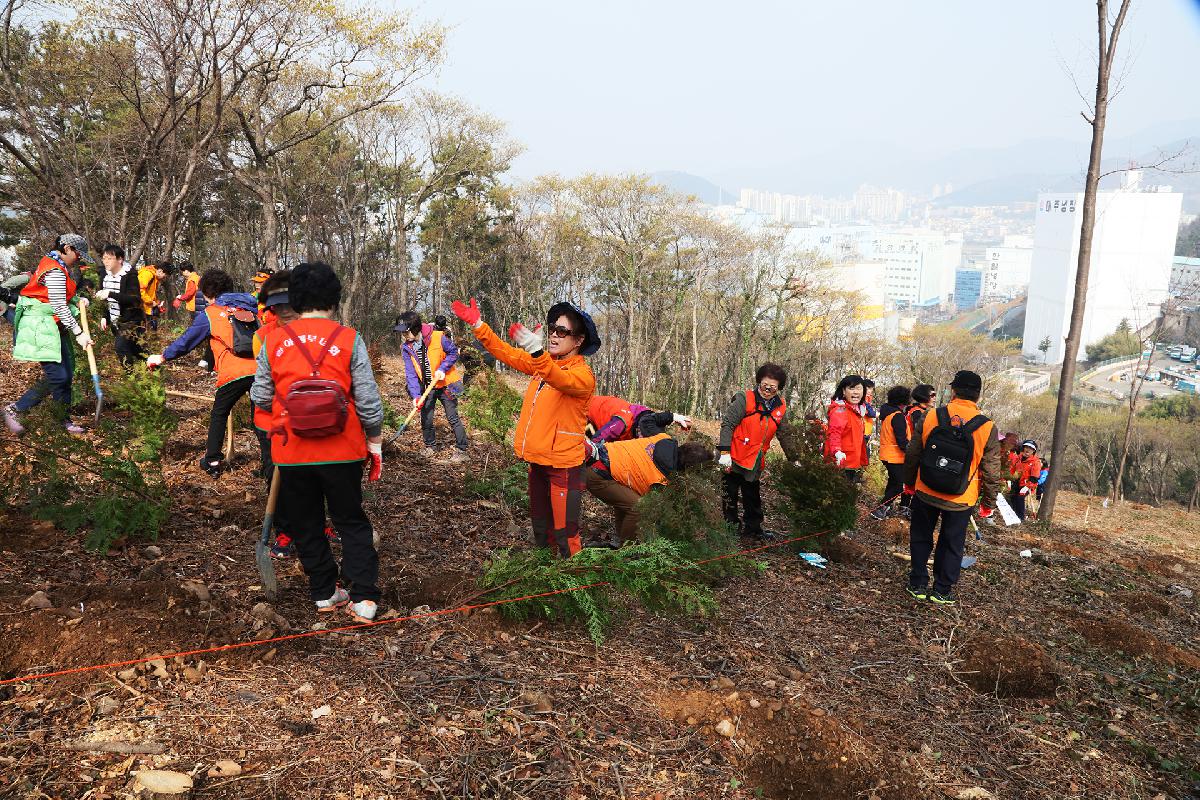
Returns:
(199,331)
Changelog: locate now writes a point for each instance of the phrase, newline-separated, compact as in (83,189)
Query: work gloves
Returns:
(104,323)
(154,361)
(439,376)
(682,421)
(839,457)
(910,490)
(528,340)
(103,294)
(84,340)
(375,457)
(177,302)
(985,512)
(467,313)
(1024,491)
(726,461)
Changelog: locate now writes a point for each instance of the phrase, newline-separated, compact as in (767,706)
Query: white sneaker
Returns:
(363,610)
(203,365)
(339,599)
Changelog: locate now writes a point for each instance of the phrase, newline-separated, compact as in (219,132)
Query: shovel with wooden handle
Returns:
(416,407)
(91,357)
(262,549)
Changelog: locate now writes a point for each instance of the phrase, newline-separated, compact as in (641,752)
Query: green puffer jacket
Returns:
(37,331)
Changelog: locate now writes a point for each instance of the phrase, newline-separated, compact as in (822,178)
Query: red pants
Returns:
(555,497)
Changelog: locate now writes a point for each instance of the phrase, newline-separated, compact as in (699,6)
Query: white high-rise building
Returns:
(1132,249)
(1006,268)
(921,265)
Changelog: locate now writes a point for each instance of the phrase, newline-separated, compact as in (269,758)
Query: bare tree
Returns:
(1108,32)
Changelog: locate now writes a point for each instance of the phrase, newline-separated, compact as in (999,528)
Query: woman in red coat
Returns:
(844,443)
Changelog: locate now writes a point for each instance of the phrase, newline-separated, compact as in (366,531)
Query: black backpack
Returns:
(947,455)
(244,325)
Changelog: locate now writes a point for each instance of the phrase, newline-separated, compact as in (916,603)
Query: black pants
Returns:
(735,484)
(306,491)
(128,344)
(450,404)
(947,558)
(1017,501)
(282,524)
(226,399)
(895,485)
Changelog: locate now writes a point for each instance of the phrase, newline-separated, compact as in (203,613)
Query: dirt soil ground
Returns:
(1071,674)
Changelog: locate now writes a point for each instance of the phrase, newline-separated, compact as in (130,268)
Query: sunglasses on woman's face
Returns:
(768,387)
(560,331)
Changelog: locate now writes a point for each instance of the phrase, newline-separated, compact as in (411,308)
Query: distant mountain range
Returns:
(980,176)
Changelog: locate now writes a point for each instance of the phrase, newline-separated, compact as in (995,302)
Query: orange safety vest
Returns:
(289,365)
(230,367)
(191,284)
(436,353)
(631,463)
(602,408)
(752,437)
(36,290)
(889,448)
(961,412)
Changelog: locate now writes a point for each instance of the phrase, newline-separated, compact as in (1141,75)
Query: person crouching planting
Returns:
(315,377)
(620,473)
(550,430)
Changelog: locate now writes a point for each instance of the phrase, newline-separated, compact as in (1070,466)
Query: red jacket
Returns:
(1026,472)
(846,434)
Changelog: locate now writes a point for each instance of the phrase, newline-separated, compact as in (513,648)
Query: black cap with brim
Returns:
(591,340)
(276,299)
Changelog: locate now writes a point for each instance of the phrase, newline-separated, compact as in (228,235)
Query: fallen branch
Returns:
(125,748)
(188,395)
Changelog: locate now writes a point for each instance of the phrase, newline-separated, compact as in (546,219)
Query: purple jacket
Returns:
(413,377)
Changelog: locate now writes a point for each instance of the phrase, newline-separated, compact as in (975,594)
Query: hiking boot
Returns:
(363,610)
(597,544)
(339,599)
(881,513)
(72,427)
(332,535)
(11,422)
(213,467)
(458,457)
(283,547)
(942,598)
(427,452)
(918,592)
(764,536)
(903,512)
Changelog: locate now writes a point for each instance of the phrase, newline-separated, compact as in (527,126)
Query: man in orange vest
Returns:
(747,427)
(430,356)
(951,466)
(315,376)
(621,473)
(893,440)
(222,325)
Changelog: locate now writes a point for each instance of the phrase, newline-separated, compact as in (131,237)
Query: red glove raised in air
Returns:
(985,512)
(467,313)
(375,457)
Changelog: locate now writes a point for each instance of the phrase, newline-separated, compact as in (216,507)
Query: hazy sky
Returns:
(710,87)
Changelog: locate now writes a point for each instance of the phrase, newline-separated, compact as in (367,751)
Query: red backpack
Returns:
(315,407)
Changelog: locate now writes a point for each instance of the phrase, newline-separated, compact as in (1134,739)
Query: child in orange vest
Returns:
(550,430)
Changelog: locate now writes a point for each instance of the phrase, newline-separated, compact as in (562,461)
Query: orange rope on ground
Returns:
(443,612)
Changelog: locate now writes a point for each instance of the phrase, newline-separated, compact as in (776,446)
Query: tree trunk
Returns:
(1106,50)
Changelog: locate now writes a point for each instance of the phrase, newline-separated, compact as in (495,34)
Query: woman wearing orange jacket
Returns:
(550,430)
(844,442)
